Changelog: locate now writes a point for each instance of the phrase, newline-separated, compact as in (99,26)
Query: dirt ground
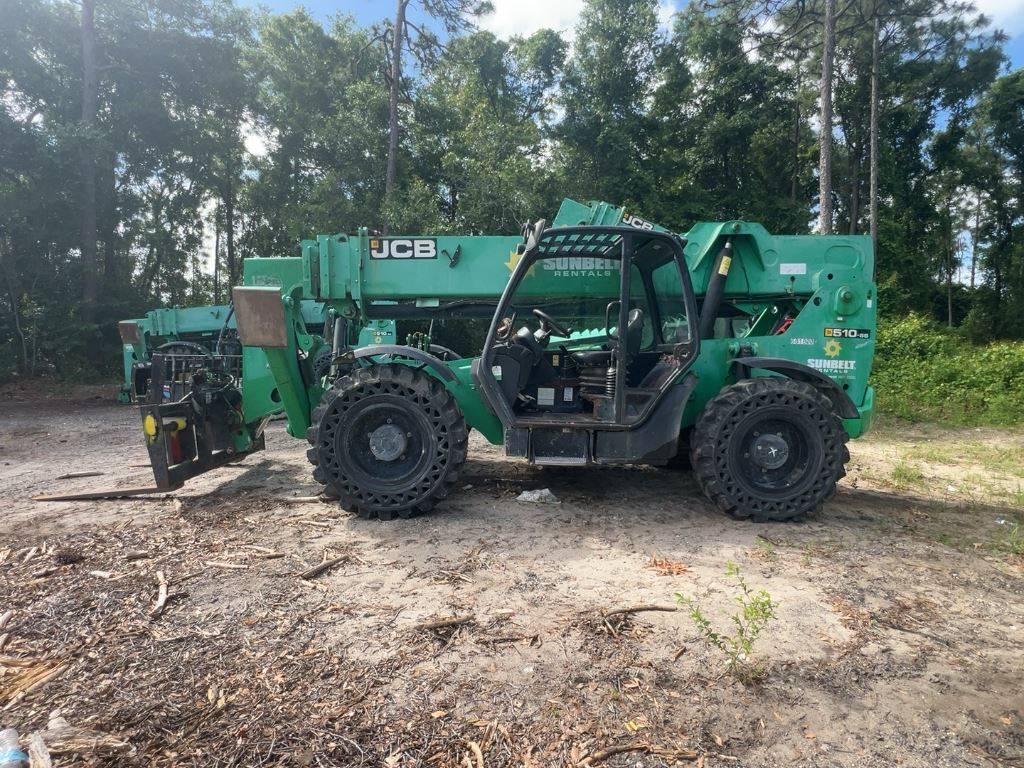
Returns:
(898,637)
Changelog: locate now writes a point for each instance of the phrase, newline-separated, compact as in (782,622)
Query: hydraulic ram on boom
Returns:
(611,341)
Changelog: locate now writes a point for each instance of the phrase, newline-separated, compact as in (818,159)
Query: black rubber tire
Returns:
(322,363)
(437,434)
(728,420)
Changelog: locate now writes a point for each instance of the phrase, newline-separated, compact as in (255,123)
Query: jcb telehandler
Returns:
(611,341)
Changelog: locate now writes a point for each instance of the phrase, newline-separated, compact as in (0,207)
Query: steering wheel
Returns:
(547,322)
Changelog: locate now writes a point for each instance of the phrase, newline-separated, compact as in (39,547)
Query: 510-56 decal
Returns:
(847,333)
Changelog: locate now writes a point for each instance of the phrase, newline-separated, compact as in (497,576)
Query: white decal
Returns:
(802,341)
(403,248)
(580,266)
(832,366)
(546,396)
(792,269)
(635,221)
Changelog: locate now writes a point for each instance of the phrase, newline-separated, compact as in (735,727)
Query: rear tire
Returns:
(388,441)
(769,449)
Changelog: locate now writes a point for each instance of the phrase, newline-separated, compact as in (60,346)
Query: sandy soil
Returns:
(898,637)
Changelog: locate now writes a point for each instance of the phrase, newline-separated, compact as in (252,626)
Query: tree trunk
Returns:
(229,232)
(216,255)
(974,239)
(110,221)
(825,168)
(396,84)
(90,283)
(12,295)
(796,142)
(855,151)
(949,290)
(873,138)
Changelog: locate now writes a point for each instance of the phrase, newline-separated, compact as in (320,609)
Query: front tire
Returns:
(769,449)
(388,441)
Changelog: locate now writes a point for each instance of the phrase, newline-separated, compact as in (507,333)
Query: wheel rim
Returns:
(775,453)
(383,444)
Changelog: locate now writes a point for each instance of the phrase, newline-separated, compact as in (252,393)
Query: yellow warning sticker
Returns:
(723,268)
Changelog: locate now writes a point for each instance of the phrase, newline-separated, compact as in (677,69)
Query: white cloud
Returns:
(1007,14)
(666,10)
(524,17)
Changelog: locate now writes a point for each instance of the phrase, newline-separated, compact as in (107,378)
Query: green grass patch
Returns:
(924,372)
(906,475)
(1011,540)
(933,454)
(1003,459)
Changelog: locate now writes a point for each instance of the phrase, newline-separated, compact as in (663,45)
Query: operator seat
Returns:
(634,337)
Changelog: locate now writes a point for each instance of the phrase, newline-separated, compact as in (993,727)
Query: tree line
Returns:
(146,148)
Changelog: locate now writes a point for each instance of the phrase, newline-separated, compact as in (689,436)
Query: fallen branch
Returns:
(38,754)
(477,753)
(500,639)
(323,567)
(76,475)
(451,621)
(33,676)
(604,754)
(229,566)
(641,609)
(64,738)
(161,596)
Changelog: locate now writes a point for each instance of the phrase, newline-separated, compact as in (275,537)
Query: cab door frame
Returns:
(482,369)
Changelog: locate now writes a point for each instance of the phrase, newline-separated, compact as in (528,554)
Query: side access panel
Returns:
(653,442)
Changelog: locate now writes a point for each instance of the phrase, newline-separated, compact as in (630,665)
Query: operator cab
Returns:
(595,327)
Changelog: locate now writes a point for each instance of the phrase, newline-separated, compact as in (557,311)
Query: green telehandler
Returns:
(611,341)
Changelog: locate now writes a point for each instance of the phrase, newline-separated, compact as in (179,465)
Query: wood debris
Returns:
(161,596)
(445,623)
(326,565)
(666,567)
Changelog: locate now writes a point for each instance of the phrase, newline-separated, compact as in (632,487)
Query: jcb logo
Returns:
(403,248)
(635,221)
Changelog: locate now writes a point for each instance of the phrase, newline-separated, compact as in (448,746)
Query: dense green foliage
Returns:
(923,371)
(213,129)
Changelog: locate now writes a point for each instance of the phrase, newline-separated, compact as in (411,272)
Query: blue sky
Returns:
(525,16)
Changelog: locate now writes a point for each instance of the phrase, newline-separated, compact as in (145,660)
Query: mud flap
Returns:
(192,435)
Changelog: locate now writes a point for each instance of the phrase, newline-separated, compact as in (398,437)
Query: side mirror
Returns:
(533,233)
